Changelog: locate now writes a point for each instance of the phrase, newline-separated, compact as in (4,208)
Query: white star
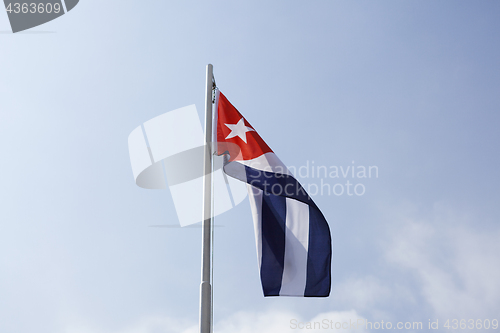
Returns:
(239,129)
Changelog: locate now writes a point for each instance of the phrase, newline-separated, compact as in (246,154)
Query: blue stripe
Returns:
(273,243)
(319,257)
(278,184)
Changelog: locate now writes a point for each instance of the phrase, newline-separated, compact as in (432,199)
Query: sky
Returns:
(408,87)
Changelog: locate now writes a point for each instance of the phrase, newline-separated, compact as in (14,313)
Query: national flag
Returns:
(292,235)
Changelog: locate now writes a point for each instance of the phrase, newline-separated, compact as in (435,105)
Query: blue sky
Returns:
(408,86)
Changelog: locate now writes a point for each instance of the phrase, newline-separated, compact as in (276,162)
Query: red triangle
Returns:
(236,147)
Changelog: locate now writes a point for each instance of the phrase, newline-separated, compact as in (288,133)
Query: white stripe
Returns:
(267,162)
(296,245)
(255,197)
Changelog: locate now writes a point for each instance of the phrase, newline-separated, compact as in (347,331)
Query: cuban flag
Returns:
(292,236)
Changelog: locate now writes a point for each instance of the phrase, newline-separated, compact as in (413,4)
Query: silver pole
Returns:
(205,287)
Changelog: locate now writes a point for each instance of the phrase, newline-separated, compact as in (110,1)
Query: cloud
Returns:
(248,322)
(372,295)
(455,264)
(281,322)
(436,264)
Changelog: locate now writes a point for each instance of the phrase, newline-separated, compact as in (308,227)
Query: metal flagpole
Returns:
(205,287)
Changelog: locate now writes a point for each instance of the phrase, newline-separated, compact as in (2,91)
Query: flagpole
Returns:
(205,287)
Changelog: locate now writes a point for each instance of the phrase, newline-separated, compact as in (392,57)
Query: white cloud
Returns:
(455,264)
(437,264)
(371,295)
(281,322)
(248,322)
